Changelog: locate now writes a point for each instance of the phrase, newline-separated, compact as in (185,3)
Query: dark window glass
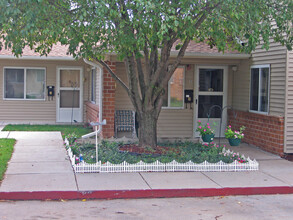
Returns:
(211,80)
(14,83)
(35,84)
(254,89)
(69,99)
(93,89)
(205,103)
(174,97)
(264,96)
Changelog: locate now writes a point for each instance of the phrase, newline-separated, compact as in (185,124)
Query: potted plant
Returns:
(206,132)
(235,136)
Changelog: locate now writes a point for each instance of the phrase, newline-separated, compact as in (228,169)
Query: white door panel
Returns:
(69,94)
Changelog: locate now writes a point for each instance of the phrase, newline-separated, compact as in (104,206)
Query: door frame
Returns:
(58,90)
(196,92)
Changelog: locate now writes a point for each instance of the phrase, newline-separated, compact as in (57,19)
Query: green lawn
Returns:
(6,149)
(79,130)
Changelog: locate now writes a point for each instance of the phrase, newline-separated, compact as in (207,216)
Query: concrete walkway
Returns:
(40,165)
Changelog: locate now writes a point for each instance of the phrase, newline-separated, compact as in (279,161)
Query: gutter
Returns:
(100,68)
(212,55)
(205,55)
(10,57)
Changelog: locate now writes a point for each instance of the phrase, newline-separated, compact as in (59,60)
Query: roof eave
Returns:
(213,55)
(11,57)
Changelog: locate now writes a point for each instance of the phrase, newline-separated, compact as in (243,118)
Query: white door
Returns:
(69,94)
(211,86)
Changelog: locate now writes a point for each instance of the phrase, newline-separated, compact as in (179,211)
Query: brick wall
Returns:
(92,112)
(264,131)
(109,87)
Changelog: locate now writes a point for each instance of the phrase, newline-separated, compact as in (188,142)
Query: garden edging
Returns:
(174,166)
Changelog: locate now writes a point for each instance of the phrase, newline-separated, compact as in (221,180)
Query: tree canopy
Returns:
(142,33)
(93,28)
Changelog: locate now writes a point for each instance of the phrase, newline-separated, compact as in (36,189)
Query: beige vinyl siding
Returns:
(289,106)
(276,58)
(36,110)
(122,100)
(240,86)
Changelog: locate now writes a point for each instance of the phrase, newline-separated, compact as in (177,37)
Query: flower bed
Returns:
(183,156)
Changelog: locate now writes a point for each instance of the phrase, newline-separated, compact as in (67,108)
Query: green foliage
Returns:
(185,151)
(126,27)
(71,138)
(229,133)
(6,149)
(78,130)
(205,129)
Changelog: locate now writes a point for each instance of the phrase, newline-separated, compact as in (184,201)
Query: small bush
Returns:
(185,151)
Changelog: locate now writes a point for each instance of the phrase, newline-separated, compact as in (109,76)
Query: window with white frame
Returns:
(174,96)
(24,83)
(259,88)
(93,85)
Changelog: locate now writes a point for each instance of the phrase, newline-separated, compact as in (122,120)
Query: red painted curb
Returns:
(149,193)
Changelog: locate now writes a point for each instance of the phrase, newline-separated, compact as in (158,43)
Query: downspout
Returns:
(100,68)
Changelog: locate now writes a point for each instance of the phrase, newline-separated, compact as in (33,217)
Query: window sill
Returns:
(257,112)
(9,99)
(178,108)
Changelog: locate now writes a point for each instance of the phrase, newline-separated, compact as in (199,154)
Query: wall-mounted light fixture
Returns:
(234,68)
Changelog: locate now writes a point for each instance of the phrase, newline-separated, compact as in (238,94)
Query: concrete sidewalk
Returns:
(40,169)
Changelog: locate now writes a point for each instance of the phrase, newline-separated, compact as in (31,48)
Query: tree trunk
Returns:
(147,131)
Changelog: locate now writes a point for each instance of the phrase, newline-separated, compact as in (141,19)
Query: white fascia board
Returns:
(10,57)
(212,55)
(207,55)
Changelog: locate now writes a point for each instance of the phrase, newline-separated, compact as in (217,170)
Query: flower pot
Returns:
(208,138)
(234,141)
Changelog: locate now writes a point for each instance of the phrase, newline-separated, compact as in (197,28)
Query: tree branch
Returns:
(132,81)
(141,79)
(165,55)
(113,75)
(147,61)
(182,51)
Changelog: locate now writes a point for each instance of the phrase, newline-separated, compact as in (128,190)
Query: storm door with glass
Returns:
(69,95)
(211,96)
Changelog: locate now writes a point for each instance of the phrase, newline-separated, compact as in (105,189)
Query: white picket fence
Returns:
(157,166)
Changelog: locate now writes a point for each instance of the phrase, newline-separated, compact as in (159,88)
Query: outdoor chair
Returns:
(125,121)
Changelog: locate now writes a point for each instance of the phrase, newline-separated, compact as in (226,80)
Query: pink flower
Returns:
(204,130)
(235,136)
(229,126)
(209,126)
(199,127)
(242,135)
(199,121)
